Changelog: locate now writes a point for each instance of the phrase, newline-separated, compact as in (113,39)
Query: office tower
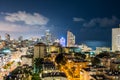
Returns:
(7,37)
(39,50)
(48,37)
(20,38)
(116,39)
(70,39)
(43,39)
(62,41)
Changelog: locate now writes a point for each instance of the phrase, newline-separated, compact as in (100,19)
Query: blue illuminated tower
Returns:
(62,41)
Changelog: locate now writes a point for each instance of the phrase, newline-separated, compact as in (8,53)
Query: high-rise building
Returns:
(48,37)
(7,37)
(43,39)
(62,41)
(20,38)
(116,39)
(70,39)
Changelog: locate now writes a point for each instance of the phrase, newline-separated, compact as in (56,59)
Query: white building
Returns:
(116,39)
(27,59)
(70,39)
(101,49)
(84,48)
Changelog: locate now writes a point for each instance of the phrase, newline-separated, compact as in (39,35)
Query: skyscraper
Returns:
(48,37)
(7,37)
(43,39)
(62,41)
(20,38)
(70,39)
(116,39)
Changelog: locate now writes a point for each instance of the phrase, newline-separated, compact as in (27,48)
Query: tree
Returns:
(95,61)
(19,63)
(103,54)
(35,76)
(60,59)
(38,64)
(80,55)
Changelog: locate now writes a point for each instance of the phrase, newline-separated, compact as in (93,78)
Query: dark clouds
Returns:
(102,22)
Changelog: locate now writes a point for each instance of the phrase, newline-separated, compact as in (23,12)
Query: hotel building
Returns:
(116,39)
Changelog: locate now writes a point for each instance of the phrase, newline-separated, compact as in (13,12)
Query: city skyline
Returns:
(87,20)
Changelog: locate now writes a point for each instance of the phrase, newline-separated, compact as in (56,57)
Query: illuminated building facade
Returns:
(48,37)
(39,50)
(102,49)
(55,48)
(62,41)
(70,39)
(116,39)
(57,40)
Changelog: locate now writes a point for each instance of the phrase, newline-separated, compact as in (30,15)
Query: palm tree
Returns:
(38,64)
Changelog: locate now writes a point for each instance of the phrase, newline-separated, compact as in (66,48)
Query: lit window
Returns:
(118,40)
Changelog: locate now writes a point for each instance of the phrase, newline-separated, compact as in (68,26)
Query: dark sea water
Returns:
(94,44)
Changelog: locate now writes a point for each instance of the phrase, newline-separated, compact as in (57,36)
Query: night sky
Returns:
(89,20)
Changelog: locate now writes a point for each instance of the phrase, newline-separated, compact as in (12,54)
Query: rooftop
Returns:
(112,73)
(48,65)
(27,56)
(100,77)
(87,69)
(40,44)
(53,74)
(116,62)
(99,66)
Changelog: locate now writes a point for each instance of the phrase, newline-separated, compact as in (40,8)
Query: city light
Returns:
(6,51)
(60,40)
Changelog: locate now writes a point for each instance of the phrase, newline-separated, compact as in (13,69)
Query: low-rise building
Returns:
(102,49)
(27,59)
(112,75)
(54,76)
(49,66)
(115,65)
